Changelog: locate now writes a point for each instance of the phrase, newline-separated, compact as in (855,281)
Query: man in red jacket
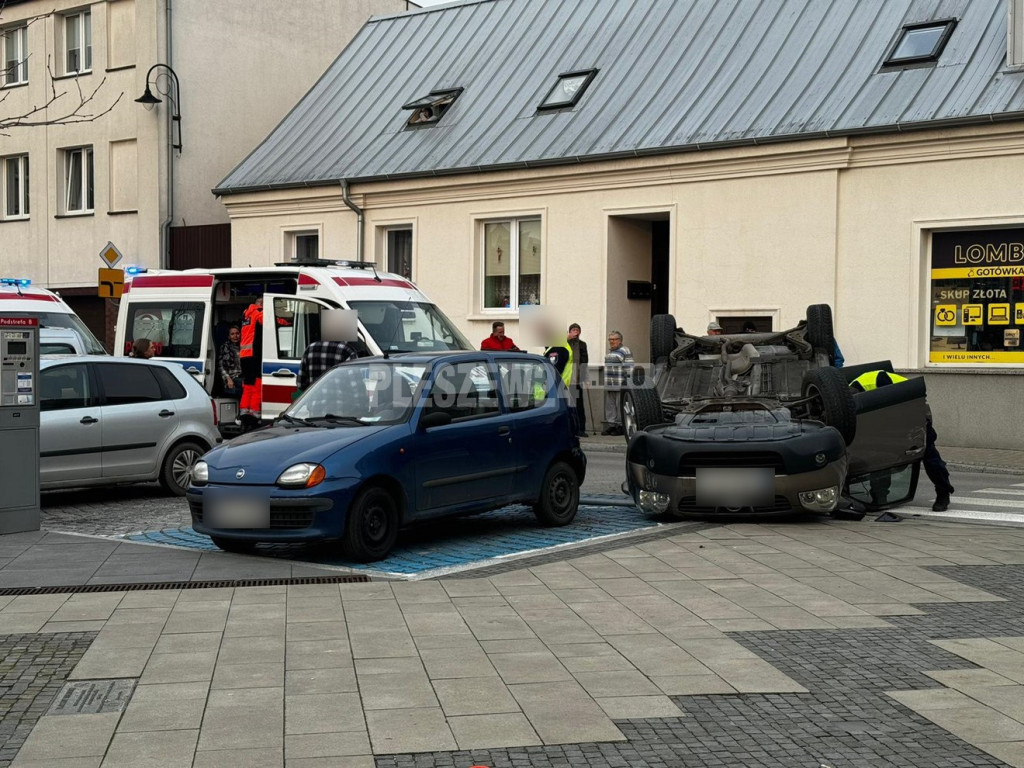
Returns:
(250,356)
(498,341)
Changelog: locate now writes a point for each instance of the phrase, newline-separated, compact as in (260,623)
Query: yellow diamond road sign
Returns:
(110,254)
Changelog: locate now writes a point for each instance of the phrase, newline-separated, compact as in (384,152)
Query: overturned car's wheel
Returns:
(640,408)
(663,337)
(559,496)
(830,401)
(819,330)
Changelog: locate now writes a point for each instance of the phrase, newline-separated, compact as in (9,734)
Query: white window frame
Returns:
(84,47)
(291,241)
(18,36)
(84,157)
(23,187)
(481,256)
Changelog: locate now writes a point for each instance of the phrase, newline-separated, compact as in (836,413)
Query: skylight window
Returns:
(430,109)
(920,43)
(568,89)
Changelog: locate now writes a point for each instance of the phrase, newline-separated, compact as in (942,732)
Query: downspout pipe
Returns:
(359,218)
(165,227)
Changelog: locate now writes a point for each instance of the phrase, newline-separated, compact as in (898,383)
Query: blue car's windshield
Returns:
(361,393)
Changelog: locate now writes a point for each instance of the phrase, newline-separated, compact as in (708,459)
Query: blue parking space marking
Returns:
(449,544)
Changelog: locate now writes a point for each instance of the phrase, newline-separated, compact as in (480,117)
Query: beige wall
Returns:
(757,230)
(241,66)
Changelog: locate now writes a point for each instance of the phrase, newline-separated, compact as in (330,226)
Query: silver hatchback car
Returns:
(108,420)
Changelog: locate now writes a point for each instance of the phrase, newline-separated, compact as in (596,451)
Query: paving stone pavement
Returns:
(811,643)
(33,667)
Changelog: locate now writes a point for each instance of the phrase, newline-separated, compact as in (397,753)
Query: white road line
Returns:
(1018,485)
(1007,491)
(1008,503)
(972,515)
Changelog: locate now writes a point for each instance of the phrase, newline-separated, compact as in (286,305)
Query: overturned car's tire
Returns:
(831,400)
(640,409)
(820,334)
(663,337)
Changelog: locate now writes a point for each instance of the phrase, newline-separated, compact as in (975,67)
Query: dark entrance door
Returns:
(659,267)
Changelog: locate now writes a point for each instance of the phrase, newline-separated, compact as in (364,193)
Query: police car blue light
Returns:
(135,270)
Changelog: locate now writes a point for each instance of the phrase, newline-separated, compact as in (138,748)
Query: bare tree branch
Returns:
(72,105)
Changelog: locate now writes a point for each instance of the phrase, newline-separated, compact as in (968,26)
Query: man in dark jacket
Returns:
(580,359)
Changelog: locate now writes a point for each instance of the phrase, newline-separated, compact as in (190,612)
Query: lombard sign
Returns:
(978,253)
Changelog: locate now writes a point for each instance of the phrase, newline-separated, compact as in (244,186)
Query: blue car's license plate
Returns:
(235,509)
(735,487)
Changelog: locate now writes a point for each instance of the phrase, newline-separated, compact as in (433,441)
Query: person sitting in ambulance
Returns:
(229,364)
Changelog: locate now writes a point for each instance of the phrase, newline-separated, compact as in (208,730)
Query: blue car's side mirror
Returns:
(435,419)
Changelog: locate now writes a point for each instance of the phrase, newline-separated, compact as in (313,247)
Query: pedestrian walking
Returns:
(618,367)
(580,359)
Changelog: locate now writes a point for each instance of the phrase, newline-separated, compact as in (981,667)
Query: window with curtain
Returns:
(14,42)
(15,187)
(511,263)
(77,42)
(78,180)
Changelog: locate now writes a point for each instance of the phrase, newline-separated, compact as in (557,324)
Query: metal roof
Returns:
(674,75)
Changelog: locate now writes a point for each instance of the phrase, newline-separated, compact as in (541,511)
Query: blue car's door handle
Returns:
(504,430)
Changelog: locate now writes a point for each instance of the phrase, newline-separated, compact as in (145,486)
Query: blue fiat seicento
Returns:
(379,443)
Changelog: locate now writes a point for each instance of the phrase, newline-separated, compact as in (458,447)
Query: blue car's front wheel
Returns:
(371,526)
(559,495)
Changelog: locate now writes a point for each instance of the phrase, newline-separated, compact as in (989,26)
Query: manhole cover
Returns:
(91,697)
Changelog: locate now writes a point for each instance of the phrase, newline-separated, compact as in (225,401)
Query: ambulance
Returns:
(187,315)
(61,331)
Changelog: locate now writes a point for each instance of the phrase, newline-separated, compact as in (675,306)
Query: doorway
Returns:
(638,264)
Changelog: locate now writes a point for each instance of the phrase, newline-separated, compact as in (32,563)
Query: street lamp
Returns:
(162,84)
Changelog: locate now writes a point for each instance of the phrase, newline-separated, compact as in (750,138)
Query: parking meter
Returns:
(19,424)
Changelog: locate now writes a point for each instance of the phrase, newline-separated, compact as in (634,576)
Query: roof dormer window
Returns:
(431,108)
(568,90)
(920,43)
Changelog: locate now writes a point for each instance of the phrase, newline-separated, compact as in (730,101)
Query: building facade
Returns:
(113,171)
(892,194)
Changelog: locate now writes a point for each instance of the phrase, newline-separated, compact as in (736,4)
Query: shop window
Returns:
(920,43)
(431,108)
(511,263)
(568,89)
(977,297)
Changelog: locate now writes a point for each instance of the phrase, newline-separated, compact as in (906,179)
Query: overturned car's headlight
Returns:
(823,500)
(200,473)
(303,475)
(652,501)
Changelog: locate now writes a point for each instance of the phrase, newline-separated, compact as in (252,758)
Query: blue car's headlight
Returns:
(200,473)
(303,475)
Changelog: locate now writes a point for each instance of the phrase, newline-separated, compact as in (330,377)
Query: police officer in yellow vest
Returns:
(934,466)
(560,356)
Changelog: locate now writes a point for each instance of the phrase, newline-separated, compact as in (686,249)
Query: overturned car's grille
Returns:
(688,504)
(690,462)
(281,518)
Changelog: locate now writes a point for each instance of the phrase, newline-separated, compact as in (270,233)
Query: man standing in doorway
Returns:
(579,373)
(618,367)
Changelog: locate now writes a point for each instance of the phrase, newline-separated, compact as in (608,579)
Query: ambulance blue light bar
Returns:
(21,282)
(134,270)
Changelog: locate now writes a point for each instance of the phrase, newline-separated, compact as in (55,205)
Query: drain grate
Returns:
(92,697)
(348,579)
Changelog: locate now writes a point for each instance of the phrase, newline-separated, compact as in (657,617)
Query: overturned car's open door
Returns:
(885,457)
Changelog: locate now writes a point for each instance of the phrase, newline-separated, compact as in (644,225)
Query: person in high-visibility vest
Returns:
(934,466)
(249,356)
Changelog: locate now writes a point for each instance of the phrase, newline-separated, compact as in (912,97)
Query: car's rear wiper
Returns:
(295,420)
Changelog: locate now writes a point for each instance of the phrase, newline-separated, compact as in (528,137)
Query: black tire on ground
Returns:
(641,408)
(820,334)
(234,545)
(663,337)
(176,471)
(846,514)
(559,496)
(371,526)
(831,400)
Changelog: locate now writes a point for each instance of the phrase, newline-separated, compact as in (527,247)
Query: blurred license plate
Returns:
(237,511)
(743,487)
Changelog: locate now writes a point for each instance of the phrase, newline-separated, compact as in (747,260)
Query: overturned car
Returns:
(759,423)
